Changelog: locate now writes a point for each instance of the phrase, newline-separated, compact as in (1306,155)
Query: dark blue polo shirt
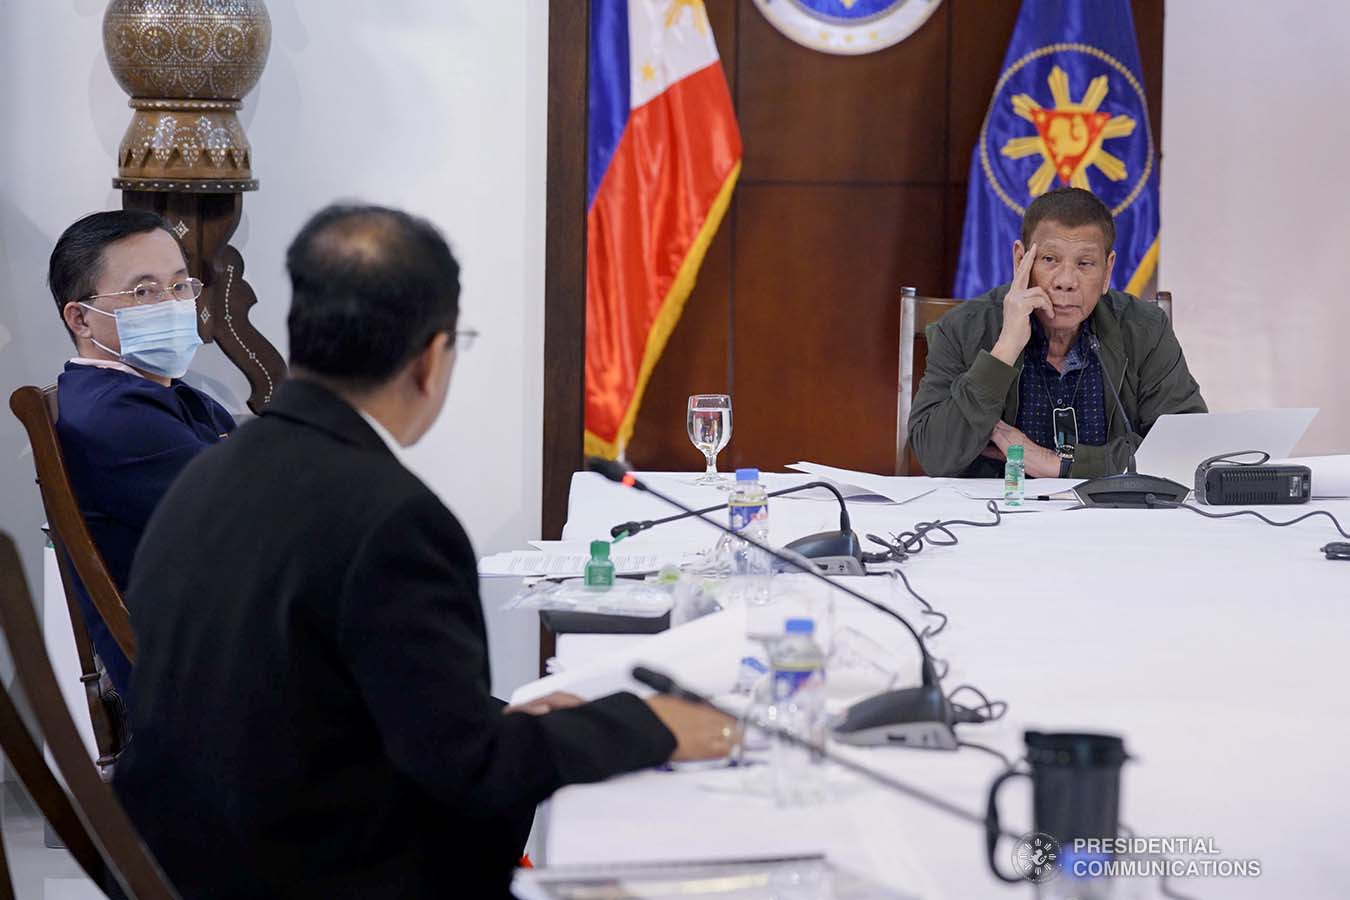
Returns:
(1042,389)
(125,438)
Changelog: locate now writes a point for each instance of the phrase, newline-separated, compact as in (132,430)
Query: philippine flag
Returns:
(663,154)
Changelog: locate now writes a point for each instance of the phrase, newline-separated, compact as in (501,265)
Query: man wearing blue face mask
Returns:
(127,426)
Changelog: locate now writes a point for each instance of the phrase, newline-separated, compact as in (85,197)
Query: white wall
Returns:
(1255,211)
(435,106)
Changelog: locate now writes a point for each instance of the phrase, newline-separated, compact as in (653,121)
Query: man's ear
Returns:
(1110,266)
(75,318)
(430,362)
(1018,252)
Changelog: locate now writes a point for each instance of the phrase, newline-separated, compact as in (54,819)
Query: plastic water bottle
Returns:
(797,674)
(1014,477)
(749,516)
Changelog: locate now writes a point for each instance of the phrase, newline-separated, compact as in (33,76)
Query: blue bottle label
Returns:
(787,682)
(741,516)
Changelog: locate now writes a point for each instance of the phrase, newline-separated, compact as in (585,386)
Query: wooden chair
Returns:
(86,815)
(36,408)
(916,314)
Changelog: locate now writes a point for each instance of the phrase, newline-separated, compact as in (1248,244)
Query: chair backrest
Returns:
(37,409)
(1164,301)
(916,314)
(26,758)
(108,835)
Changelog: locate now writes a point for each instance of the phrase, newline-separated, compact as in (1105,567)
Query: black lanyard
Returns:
(1063,419)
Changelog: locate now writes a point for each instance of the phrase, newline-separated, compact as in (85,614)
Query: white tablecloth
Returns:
(1218,649)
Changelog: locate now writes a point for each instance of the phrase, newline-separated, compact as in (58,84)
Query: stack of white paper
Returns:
(865,485)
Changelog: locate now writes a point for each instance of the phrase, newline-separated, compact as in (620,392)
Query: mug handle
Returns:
(992,829)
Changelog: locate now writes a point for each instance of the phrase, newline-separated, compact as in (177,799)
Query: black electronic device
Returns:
(911,717)
(833,552)
(619,473)
(1130,490)
(1225,481)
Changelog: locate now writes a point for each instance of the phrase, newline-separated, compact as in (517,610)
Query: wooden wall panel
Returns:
(809,116)
(696,361)
(980,35)
(564,263)
(817,314)
(854,183)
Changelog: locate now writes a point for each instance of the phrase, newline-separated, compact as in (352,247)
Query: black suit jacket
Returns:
(311,709)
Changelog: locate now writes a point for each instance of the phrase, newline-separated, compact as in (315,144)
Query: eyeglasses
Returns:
(464,339)
(152,291)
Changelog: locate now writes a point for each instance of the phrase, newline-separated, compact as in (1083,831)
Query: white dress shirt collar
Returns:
(385,435)
(105,364)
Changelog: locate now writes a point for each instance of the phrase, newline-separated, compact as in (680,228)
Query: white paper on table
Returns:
(674,552)
(532,563)
(1330,474)
(860,485)
(704,654)
(1177,444)
(992,488)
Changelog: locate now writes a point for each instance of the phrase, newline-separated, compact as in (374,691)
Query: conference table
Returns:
(1216,648)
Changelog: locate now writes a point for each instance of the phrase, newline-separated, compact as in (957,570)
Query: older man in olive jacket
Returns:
(1037,362)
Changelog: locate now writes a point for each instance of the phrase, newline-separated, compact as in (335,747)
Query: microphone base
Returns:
(917,717)
(833,552)
(1130,491)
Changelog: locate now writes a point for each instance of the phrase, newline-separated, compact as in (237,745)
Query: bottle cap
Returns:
(599,549)
(800,626)
(747,474)
(1015,452)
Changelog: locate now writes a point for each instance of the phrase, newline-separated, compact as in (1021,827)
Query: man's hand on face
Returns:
(1037,461)
(1021,301)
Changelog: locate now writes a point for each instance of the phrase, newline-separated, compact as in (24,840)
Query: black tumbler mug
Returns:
(1075,784)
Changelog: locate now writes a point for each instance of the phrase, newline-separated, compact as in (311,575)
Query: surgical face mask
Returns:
(157,337)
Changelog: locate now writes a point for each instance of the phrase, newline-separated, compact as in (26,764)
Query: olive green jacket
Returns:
(965,390)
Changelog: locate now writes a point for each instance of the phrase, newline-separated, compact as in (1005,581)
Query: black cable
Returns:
(1154,501)
(988,710)
(907,543)
(1007,763)
(928,609)
(628,529)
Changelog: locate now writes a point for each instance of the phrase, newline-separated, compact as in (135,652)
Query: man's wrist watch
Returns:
(1065,455)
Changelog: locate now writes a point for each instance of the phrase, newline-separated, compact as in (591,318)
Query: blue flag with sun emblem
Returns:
(1068,111)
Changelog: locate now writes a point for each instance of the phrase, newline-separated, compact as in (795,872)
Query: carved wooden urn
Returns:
(187,65)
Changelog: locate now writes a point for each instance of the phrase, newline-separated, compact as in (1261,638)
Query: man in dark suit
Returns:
(128,424)
(311,707)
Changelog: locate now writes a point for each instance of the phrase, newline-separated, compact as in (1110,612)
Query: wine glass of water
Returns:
(709,424)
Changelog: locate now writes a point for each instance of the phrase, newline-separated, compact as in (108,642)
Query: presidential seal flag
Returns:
(1068,111)
(663,154)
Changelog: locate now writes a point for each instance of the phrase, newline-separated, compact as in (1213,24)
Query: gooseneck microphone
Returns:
(1096,347)
(619,473)
(1131,490)
(837,552)
(664,684)
(628,529)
